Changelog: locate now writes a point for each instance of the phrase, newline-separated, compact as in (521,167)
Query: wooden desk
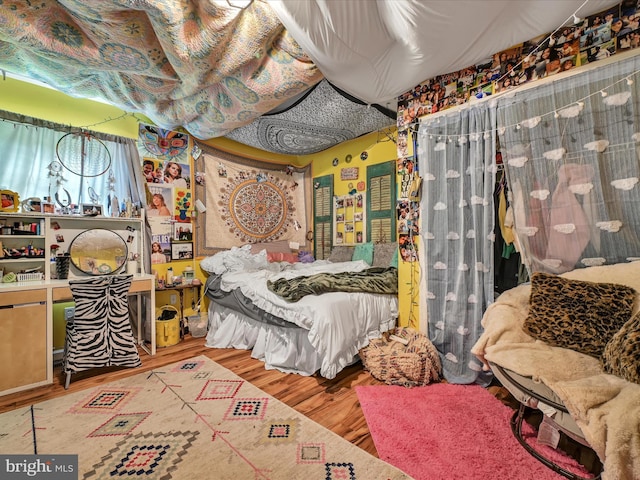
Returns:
(26,328)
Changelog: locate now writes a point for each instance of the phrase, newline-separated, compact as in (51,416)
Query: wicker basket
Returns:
(414,364)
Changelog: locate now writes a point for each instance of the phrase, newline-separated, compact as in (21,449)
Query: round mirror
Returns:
(98,252)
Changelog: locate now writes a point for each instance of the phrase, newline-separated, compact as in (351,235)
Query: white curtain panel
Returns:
(570,149)
(30,149)
(456,157)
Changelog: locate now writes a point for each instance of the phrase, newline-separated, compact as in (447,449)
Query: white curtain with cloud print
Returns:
(456,157)
(571,149)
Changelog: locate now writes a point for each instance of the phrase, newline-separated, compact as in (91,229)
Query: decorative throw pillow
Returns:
(278,246)
(383,254)
(621,355)
(575,314)
(341,253)
(394,260)
(363,251)
(273,257)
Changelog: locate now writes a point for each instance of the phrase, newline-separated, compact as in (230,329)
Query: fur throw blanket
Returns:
(605,407)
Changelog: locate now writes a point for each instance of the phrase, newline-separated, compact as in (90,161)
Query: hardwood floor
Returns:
(331,403)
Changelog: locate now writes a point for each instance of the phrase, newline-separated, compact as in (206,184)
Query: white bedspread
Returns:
(339,324)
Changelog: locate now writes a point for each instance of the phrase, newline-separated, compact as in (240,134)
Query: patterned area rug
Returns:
(190,420)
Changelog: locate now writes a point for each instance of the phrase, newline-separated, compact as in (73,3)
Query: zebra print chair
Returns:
(100,333)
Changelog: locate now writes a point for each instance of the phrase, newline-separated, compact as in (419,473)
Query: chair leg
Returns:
(67,381)
(516,428)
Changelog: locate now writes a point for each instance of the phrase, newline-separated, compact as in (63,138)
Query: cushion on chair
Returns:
(576,314)
(100,334)
(621,355)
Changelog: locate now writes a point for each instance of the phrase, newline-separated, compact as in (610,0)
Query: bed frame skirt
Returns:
(282,348)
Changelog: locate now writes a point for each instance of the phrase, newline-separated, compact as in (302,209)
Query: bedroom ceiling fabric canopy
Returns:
(208,66)
(376,50)
(320,119)
(215,66)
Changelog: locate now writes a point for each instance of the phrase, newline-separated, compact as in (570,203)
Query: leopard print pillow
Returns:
(621,355)
(576,314)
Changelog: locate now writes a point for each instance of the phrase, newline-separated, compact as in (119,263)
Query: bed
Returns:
(303,318)
(582,373)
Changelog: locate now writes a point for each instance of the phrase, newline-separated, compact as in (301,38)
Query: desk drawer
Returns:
(21,297)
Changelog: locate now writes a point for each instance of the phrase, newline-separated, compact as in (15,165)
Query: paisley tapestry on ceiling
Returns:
(248,202)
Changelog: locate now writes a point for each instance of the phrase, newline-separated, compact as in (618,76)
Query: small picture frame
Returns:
(181,250)
(48,207)
(10,201)
(91,210)
(182,231)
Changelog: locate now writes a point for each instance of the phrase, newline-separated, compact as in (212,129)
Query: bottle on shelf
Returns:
(170,276)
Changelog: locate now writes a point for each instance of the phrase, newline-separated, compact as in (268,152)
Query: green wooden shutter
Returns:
(322,216)
(381,214)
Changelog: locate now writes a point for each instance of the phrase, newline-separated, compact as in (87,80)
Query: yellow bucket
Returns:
(167,331)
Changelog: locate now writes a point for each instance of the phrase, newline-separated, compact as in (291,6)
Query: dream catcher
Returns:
(82,154)
(56,182)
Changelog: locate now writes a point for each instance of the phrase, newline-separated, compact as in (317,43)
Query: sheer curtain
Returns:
(456,158)
(571,158)
(29,147)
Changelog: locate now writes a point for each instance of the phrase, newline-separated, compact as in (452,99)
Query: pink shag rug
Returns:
(453,432)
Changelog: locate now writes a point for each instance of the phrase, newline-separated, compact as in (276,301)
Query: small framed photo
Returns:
(10,201)
(48,207)
(182,231)
(91,210)
(181,250)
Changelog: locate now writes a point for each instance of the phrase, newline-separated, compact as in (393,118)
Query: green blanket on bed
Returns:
(371,280)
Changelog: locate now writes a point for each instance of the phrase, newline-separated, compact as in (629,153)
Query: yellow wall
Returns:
(380,148)
(48,104)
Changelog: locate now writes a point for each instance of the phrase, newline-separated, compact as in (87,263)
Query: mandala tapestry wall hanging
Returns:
(251,205)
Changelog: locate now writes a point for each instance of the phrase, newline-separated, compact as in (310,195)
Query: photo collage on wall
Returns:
(166,166)
(408,208)
(593,38)
(587,40)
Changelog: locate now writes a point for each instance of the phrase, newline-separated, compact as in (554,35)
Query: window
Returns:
(32,167)
(381,223)
(322,220)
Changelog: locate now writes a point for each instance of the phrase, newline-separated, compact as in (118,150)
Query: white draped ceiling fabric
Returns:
(378,50)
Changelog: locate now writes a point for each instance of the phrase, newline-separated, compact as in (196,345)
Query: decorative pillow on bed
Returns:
(279,246)
(383,254)
(621,356)
(576,314)
(394,260)
(363,251)
(282,257)
(341,253)
(305,257)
